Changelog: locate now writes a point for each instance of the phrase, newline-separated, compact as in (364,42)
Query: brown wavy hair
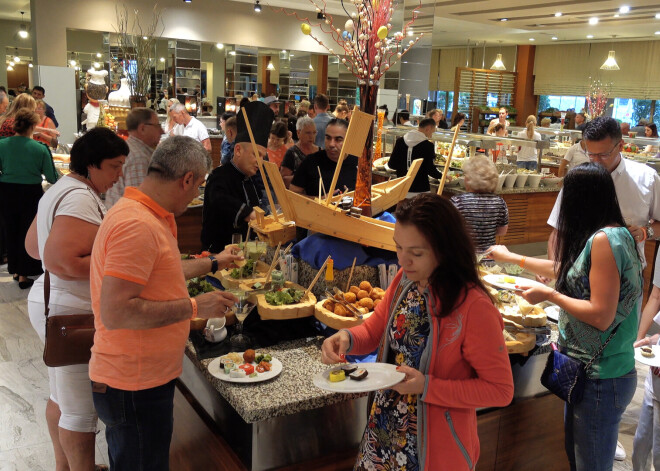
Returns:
(24,120)
(20,102)
(438,220)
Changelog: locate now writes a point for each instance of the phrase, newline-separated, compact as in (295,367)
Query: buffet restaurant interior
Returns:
(329,235)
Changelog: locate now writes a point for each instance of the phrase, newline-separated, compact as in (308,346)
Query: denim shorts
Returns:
(138,425)
(592,426)
(529,165)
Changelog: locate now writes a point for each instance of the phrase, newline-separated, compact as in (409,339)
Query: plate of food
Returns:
(358,377)
(285,303)
(514,283)
(245,367)
(379,164)
(648,355)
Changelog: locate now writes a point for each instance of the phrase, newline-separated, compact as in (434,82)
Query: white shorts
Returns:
(70,386)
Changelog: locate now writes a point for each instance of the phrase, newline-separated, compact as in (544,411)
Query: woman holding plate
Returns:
(443,331)
(599,283)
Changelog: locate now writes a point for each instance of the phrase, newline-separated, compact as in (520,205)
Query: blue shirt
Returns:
(227,151)
(321,120)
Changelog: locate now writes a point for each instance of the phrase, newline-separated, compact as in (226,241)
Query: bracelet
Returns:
(193,302)
(522,262)
(645,234)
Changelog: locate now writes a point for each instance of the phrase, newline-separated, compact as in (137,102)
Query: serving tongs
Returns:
(342,300)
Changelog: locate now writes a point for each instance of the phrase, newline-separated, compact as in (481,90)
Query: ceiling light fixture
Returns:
(593,20)
(219,45)
(558,14)
(504,19)
(610,62)
(590,36)
(16,56)
(162,59)
(11,63)
(257,7)
(624,9)
(657,32)
(532,39)
(145,38)
(30,65)
(616,15)
(311,68)
(270,65)
(97,65)
(72,62)
(23,32)
(554,38)
(410,32)
(187,1)
(99,55)
(10,68)
(498,64)
(232,53)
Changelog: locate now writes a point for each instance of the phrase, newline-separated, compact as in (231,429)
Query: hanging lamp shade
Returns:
(610,63)
(270,65)
(498,64)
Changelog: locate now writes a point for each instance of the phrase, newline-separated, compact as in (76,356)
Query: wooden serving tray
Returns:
(337,322)
(305,308)
(232,283)
(524,343)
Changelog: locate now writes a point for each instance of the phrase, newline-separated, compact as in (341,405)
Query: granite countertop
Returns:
(503,191)
(291,392)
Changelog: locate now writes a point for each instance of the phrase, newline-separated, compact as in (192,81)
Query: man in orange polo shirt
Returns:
(142,309)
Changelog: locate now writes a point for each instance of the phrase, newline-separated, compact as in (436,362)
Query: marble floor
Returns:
(24,441)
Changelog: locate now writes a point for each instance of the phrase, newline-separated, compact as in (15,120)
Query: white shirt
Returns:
(527,154)
(575,156)
(638,190)
(194,129)
(83,204)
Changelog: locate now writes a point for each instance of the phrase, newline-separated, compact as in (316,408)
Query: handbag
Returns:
(69,338)
(565,376)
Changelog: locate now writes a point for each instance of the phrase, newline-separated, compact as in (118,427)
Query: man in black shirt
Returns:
(231,193)
(306,179)
(412,146)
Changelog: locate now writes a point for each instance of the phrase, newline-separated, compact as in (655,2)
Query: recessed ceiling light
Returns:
(162,59)
(624,9)
(558,14)
(593,20)
(554,38)
(219,45)
(30,65)
(532,39)
(97,65)
(657,16)
(232,53)
(145,38)
(284,51)
(616,15)
(11,63)
(410,32)
(72,62)
(590,36)
(506,19)
(657,32)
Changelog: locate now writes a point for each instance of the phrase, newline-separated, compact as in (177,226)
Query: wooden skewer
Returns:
(446,170)
(276,258)
(316,278)
(350,275)
(321,182)
(260,162)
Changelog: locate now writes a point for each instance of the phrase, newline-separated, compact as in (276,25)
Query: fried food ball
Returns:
(365,285)
(248,355)
(377,302)
(337,296)
(362,294)
(354,289)
(379,291)
(341,310)
(329,305)
(350,297)
(367,302)
(363,310)
(375,294)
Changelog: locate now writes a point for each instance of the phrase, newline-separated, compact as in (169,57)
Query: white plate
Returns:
(381,376)
(276,369)
(552,312)
(498,281)
(655,361)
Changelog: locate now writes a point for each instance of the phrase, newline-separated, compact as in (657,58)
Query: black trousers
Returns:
(18,206)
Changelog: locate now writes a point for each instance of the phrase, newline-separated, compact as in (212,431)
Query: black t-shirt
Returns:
(307,175)
(399,162)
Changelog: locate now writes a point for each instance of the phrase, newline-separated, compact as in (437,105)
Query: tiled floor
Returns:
(24,440)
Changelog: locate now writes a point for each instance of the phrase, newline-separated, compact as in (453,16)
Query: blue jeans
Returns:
(138,426)
(531,165)
(592,426)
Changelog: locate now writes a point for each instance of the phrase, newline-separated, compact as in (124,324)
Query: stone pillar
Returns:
(414,75)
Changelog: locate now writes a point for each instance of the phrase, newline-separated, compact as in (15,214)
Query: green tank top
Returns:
(582,340)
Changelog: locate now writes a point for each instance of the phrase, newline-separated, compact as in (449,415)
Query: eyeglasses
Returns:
(591,155)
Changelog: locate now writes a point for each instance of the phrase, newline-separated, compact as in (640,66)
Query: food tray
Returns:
(337,322)
(231,283)
(305,308)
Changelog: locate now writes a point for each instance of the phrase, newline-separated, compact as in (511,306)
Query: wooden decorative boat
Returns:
(305,308)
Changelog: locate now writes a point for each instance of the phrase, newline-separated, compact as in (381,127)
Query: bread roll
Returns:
(362,294)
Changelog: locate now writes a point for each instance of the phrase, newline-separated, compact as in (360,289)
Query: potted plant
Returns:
(137,42)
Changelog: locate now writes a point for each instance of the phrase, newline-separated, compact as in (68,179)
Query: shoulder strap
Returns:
(601,349)
(52,220)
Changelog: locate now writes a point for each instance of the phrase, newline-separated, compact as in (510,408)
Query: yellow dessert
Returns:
(337,375)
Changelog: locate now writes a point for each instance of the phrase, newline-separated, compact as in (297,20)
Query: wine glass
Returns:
(237,239)
(241,309)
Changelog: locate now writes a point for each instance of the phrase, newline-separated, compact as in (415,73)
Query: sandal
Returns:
(101,467)
(15,277)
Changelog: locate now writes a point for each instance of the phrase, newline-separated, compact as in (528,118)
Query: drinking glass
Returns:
(237,239)
(241,309)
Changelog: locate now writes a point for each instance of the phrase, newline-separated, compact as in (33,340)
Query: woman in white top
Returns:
(63,241)
(528,156)
(575,155)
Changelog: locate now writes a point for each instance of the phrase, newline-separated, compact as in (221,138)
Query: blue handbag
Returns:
(565,376)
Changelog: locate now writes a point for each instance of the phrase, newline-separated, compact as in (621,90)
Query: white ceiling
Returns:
(11,9)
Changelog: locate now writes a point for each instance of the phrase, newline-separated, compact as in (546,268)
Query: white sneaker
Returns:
(620,453)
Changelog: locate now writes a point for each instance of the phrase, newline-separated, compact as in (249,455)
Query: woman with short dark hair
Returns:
(439,326)
(22,162)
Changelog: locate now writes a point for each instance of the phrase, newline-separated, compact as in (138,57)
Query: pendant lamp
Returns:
(498,64)
(610,63)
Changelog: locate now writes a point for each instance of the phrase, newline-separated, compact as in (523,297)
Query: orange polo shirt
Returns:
(137,242)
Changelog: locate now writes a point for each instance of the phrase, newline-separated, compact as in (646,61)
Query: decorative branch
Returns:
(367,50)
(597,97)
(137,45)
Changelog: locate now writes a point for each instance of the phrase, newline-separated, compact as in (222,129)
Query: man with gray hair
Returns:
(142,309)
(189,126)
(144,133)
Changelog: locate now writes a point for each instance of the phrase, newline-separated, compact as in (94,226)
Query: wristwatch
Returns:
(214,264)
(649,232)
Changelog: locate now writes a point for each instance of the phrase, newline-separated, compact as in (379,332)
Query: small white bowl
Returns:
(520,181)
(509,180)
(552,182)
(533,180)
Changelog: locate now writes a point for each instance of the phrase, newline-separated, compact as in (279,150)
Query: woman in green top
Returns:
(23,161)
(599,283)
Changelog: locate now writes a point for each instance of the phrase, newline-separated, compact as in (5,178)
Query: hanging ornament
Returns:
(377,45)
(382,32)
(306,28)
(349,26)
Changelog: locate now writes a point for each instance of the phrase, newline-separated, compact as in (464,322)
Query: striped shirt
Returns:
(483,214)
(135,169)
